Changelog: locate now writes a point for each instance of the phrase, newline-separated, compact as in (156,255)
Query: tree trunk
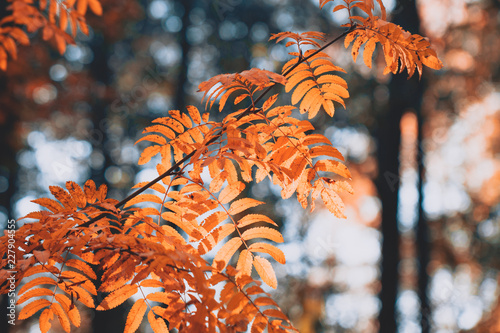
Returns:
(182,79)
(111,320)
(405,95)
(389,137)
(8,172)
(422,236)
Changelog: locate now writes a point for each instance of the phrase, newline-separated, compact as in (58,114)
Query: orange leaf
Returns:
(82,266)
(254,218)
(368,52)
(151,283)
(240,98)
(170,122)
(243,204)
(266,272)
(275,313)
(326,151)
(39,269)
(144,198)
(223,231)
(341,185)
(263,232)
(45,318)
(61,315)
(333,166)
(95,6)
(269,102)
(157,324)
(181,117)
(227,251)
(218,181)
(30,309)
(42,256)
(244,265)
(161,297)
(333,202)
(164,130)
(276,253)
(339,7)
(147,153)
(35,293)
(35,282)
(157,187)
(264,301)
(185,224)
(153,138)
(231,191)
(3,59)
(194,113)
(63,20)
(81,294)
(259,323)
(117,297)
(90,191)
(315,138)
(134,317)
(60,42)
(213,220)
(81,279)
(52,205)
(76,193)
(237,303)
(430,60)
(71,309)
(81,6)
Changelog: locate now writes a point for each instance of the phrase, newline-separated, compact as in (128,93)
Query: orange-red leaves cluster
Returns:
(9,37)
(401,49)
(132,252)
(52,18)
(267,140)
(176,136)
(314,84)
(305,38)
(247,83)
(309,74)
(367,6)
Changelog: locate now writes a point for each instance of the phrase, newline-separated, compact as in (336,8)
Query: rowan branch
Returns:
(248,110)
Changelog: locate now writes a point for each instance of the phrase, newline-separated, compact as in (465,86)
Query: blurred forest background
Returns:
(420,249)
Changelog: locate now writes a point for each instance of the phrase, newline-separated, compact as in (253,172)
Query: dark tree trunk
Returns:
(8,177)
(422,237)
(405,95)
(409,19)
(389,137)
(101,73)
(111,320)
(182,79)
(8,173)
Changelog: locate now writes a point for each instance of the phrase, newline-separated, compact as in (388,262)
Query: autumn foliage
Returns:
(158,239)
(57,21)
